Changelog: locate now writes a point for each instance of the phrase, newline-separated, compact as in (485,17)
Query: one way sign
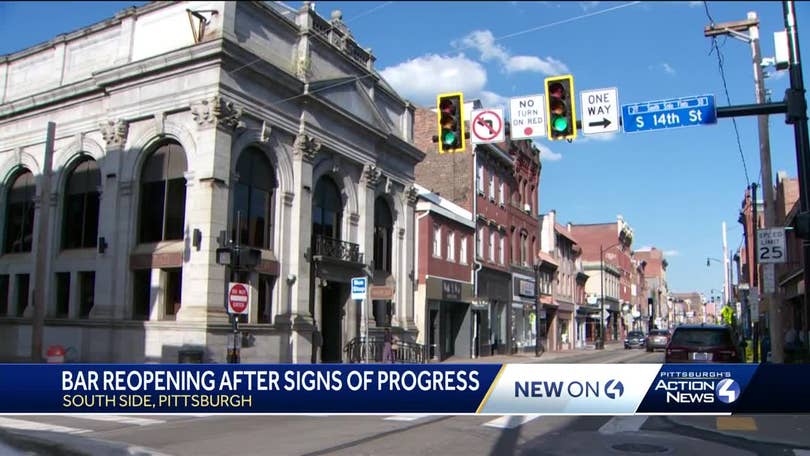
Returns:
(600,111)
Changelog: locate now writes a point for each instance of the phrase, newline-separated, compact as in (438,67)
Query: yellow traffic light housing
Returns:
(450,116)
(561,108)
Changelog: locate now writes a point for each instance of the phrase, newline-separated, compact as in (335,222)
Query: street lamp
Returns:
(602,286)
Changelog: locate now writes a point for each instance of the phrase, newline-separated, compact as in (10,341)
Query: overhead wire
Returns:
(716,50)
(372,10)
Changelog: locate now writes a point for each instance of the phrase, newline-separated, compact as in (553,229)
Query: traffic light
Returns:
(562,113)
(451,122)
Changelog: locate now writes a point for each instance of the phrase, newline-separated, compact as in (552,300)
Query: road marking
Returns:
(35,426)
(736,423)
(413,417)
(511,421)
(623,424)
(118,419)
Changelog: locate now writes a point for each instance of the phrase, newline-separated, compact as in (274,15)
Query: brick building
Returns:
(657,311)
(497,184)
(790,275)
(443,274)
(609,278)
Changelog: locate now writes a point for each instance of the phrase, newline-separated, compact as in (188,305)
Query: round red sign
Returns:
(238,298)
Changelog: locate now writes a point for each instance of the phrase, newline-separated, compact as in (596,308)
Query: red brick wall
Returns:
(430,265)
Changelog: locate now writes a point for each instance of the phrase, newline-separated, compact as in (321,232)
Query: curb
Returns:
(796,445)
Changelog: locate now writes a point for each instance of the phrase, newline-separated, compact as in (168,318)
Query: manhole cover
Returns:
(639,448)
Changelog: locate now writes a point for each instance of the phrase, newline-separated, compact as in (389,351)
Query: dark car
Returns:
(634,339)
(658,338)
(703,344)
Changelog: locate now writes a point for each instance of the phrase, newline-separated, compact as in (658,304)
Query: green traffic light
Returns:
(559,124)
(449,138)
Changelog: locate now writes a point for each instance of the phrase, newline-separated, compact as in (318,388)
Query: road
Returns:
(311,435)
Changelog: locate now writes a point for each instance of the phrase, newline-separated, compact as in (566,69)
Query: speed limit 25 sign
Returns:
(771,245)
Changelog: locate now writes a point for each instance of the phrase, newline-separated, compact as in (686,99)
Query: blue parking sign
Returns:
(359,287)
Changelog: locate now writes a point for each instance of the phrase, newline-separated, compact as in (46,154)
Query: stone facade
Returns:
(288,89)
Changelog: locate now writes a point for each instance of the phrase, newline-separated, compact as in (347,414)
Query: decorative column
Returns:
(298,317)
(112,250)
(406,277)
(369,181)
(208,180)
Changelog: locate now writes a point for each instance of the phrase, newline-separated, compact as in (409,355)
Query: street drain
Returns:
(639,448)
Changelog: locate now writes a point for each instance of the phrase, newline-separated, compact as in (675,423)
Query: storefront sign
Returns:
(381,293)
(451,290)
(527,288)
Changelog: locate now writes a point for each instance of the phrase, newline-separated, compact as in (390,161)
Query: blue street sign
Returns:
(359,287)
(665,114)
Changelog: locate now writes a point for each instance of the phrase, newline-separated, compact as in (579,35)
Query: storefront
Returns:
(494,289)
(564,326)
(524,329)
(451,329)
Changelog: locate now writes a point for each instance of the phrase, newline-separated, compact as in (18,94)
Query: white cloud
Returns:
(604,137)
(550,66)
(484,42)
(493,100)
(695,4)
(665,67)
(777,75)
(671,253)
(547,154)
(588,5)
(420,79)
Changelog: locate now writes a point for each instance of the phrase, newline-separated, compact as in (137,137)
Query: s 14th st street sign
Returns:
(666,114)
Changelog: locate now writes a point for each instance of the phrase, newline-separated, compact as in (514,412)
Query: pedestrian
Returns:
(388,352)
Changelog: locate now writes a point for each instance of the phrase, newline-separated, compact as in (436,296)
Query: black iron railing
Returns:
(403,351)
(337,249)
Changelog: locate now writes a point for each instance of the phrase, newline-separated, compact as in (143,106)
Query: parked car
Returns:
(634,339)
(658,338)
(703,344)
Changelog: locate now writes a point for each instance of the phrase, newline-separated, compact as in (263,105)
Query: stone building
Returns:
(183,125)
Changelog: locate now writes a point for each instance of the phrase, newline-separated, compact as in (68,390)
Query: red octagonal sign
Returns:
(238,298)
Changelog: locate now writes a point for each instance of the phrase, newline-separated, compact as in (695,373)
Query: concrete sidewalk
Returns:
(530,358)
(789,430)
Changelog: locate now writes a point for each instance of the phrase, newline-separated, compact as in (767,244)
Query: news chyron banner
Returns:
(450,389)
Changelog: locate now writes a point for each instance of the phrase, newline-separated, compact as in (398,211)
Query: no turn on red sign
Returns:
(238,298)
(486,126)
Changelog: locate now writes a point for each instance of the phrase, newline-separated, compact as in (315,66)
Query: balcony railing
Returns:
(336,249)
(403,351)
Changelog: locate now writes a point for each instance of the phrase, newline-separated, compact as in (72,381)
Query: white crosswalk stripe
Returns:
(510,421)
(412,417)
(25,425)
(623,424)
(118,419)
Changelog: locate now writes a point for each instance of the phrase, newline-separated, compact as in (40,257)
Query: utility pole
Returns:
(41,267)
(726,294)
(751,24)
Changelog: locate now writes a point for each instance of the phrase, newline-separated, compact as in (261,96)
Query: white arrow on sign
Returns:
(527,116)
(486,126)
(600,111)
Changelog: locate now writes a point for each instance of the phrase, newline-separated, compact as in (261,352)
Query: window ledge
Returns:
(160,247)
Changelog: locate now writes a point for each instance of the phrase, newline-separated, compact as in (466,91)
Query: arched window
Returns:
(163,194)
(20,213)
(327,209)
(383,235)
(80,222)
(253,199)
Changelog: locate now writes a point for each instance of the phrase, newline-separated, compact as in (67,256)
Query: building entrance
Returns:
(332,321)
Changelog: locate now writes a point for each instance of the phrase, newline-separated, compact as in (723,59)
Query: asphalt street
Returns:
(313,435)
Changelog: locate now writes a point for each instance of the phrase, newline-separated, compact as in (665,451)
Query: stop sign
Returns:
(238,298)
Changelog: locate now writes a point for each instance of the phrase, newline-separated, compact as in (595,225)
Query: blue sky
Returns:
(674,188)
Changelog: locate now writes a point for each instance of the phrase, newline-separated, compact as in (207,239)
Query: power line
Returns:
(368,12)
(511,35)
(716,50)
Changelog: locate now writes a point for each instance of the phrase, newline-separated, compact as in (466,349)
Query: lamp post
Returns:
(602,287)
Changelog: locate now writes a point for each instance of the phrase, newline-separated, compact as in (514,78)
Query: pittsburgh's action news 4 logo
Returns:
(698,387)
(614,388)
(727,390)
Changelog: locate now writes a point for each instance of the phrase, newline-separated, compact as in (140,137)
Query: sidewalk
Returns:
(790,430)
(530,358)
